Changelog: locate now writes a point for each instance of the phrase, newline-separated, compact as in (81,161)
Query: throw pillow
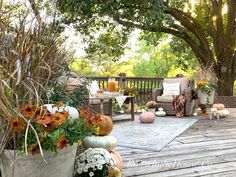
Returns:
(93,87)
(171,89)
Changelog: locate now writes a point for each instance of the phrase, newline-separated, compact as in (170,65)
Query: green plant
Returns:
(77,98)
(130,91)
(54,130)
(152,104)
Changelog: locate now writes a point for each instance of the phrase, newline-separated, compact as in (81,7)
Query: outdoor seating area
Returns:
(117,88)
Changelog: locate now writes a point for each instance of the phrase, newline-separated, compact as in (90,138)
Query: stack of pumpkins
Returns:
(102,139)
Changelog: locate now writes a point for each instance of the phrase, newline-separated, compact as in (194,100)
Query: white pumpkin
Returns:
(73,113)
(223,113)
(160,113)
(106,142)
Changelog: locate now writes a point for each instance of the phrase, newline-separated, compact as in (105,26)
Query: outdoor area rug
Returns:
(152,137)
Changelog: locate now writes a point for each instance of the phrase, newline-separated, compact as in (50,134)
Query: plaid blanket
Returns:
(178,104)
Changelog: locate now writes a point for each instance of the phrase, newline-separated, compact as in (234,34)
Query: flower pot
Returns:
(203,97)
(59,165)
(153,110)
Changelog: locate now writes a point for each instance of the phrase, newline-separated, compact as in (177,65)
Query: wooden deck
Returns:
(206,149)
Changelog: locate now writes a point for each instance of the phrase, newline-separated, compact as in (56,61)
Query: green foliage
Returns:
(74,131)
(154,61)
(78,98)
(101,66)
(77,130)
(109,44)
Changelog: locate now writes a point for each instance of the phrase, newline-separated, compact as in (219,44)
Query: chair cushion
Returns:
(171,89)
(184,82)
(165,99)
(93,87)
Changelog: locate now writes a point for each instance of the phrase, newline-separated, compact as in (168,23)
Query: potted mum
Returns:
(152,106)
(94,162)
(206,92)
(206,84)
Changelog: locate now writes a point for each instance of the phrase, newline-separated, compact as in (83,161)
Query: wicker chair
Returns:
(95,104)
(166,102)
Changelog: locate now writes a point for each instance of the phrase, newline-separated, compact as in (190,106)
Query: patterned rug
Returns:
(152,137)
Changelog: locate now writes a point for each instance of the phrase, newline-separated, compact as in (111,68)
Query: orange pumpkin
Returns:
(219,106)
(118,159)
(104,123)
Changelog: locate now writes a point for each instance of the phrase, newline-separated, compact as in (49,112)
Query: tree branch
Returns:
(192,25)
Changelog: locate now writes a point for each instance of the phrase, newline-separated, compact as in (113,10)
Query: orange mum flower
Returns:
(58,119)
(57,105)
(64,113)
(43,120)
(17,125)
(62,142)
(28,110)
(201,83)
(34,149)
(85,113)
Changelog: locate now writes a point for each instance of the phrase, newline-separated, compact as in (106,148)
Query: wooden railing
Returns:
(144,86)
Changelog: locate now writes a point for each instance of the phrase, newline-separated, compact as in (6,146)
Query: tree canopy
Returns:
(207,26)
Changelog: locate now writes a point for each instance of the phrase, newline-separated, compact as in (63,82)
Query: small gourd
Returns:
(218,106)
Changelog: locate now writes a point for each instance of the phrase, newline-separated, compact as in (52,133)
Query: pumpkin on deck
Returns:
(218,106)
(118,159)
(147,117)
(103,122)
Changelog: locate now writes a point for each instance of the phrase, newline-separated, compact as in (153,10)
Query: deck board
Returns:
(210,142)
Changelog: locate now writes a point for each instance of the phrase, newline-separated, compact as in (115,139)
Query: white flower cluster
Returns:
(93,159)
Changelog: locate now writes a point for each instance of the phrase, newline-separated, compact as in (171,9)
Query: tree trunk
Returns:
(226,81)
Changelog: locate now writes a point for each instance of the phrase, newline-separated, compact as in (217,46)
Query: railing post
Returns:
(122,80)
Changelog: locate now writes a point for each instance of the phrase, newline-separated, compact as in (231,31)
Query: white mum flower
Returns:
(91,173)
(79,170)
(100,167)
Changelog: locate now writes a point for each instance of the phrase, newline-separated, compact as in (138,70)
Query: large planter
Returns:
(59,165)
(203,97)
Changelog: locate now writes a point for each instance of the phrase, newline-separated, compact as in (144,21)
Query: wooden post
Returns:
(122,80)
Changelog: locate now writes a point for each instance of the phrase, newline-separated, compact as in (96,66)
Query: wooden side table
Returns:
(102,98)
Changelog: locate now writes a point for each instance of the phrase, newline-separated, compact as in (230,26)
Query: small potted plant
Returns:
(130,91)
(94,162)
(152,106)
(206,84)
